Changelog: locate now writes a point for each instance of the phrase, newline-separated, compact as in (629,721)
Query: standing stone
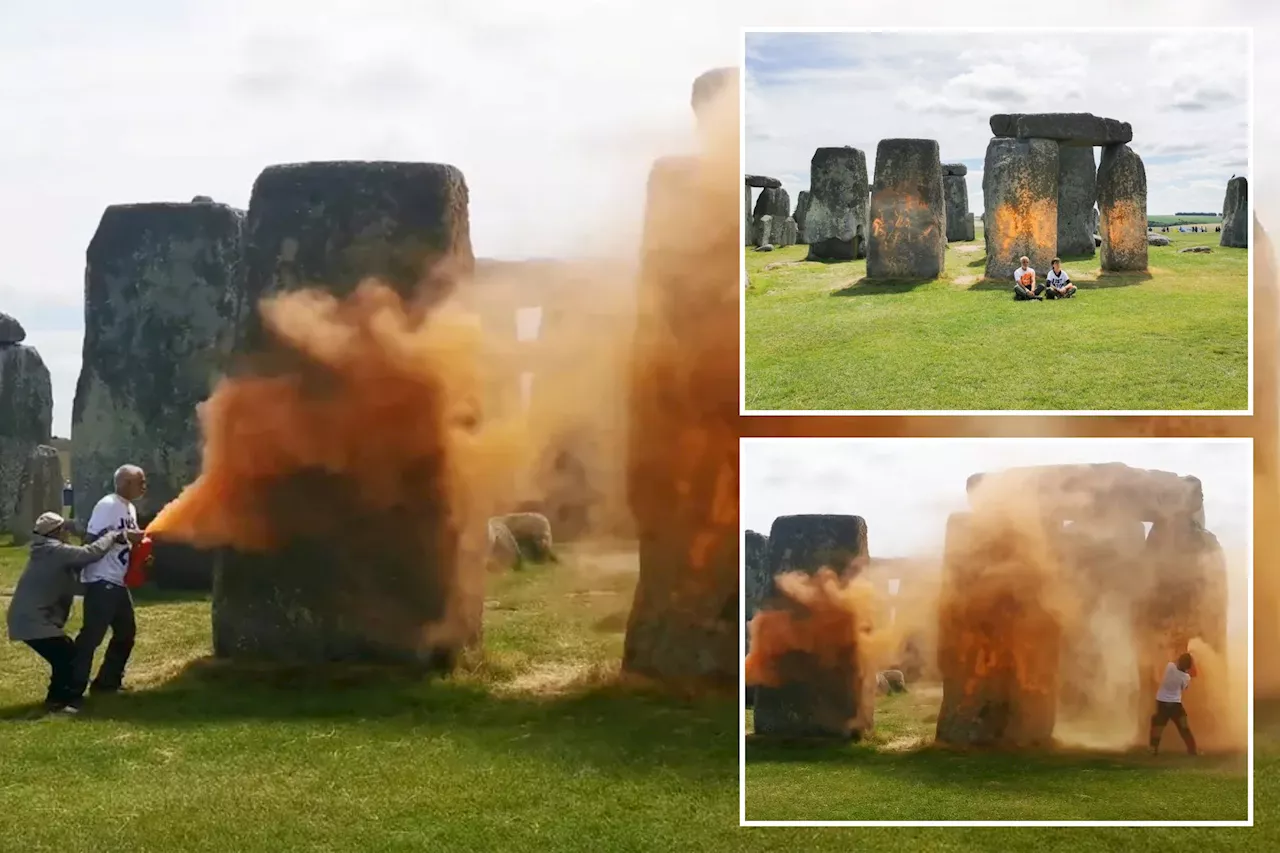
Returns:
(959,220)
(802,211)
(835,223)
(1020,204)
(756,575)
(711,84)
(1094,218)
(11,331)
(26,417)
(954,170)
(682,462)
(773,202)
(315,598)
(861,254)
(815,700)
(746,214)
(39,491)
(1235,215)
(908,212)
(1122,206)
(1077,193)
(162,303)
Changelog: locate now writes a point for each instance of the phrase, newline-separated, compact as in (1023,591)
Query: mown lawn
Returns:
(900,774)
(821,337)
(537,746)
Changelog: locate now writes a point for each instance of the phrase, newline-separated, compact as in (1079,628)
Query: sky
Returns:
(906,488)
(1186,94)
(554,112)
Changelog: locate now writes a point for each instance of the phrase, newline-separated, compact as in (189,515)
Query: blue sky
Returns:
(1184,93)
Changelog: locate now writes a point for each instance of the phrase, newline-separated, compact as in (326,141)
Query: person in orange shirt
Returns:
(1024,282)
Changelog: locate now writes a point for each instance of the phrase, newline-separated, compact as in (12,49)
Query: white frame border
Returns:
(743,411)
(742,614)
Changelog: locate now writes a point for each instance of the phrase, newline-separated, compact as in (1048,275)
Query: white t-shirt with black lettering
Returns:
(111,513)
(1057,279)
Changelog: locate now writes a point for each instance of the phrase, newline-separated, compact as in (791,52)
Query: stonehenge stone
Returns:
(1020,204)
(504,550)
(908,237)
(1122,207)
(1198,250)
(26,417)
(1157,240)
(954,170)
(1095,490)
(895,681)
(1077,193)
(802,211)
(756,575)
(776,204)
(789,232)
(11,331)
(201,199)
(532,533)
(882,683)
(710,84)
(835,221)
(959,219)
(682,458)
(313,597)
(1083,129)
(997,644)
(1235,215)
(163,300)
(816,700)
(746,215)
(39,491)
(763,182)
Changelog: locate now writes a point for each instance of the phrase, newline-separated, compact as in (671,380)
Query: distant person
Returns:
(1024,282)
(1177,678)
(107,601)
(42,600)
(1057,283)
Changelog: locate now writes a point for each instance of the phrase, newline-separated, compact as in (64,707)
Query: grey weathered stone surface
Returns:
(1157,240)
(802,211)
(1101,490)
(746,214)
(763,232)
(835,222)
(756,576)
(908,237)
(1094,218)
(711,83)
(1235,215)
(763,182)
(1122,207)
(861,252)
(163,300)
(959,219)
(1071,128)
(894,679)
(767,247)
(1077,194)
(789,232)
(1020,204)
(39,491)
(815,700)
(26,416)
(532,532)
(773,202)
(1198,250)
(11,331)
(201,199)
(504,550)
(314,598)
(958,170)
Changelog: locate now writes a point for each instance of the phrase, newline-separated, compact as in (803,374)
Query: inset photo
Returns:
(997,631)
(966,221)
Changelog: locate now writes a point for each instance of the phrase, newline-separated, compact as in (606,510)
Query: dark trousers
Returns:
(60,652)
(106,605)
(1067,292)
(1171,711)
(1021,293)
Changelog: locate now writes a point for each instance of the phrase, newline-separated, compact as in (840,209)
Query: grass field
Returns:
(821,337)
(536,746)
(899,774)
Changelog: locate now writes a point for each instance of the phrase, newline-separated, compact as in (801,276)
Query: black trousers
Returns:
(60,652)
(106,606)
(1021,293)
(1050,293)
(1171,711)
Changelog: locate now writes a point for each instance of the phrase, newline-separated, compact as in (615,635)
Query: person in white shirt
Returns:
(1024,282)
(107,602)
(1177,678)
(1057,283)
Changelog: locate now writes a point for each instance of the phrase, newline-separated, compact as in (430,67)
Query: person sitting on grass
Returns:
(1024,282)
(1057,283)
(1177,678)
(41,602)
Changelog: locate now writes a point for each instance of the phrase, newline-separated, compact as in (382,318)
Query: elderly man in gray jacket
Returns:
(42,600)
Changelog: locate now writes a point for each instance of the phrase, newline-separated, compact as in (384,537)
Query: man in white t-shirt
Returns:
(1024,282)
(1177,678)
(1057,283)
(107,602)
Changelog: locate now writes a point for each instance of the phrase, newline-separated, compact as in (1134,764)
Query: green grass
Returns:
(821,337)
(498,757)
(1171,219)
(898,773)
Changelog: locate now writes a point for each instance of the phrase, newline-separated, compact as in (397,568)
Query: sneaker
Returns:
(69,710)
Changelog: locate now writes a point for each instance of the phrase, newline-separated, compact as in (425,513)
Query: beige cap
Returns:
(47,523)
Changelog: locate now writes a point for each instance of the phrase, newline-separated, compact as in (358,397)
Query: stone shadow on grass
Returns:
(616,728)
(877,287)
